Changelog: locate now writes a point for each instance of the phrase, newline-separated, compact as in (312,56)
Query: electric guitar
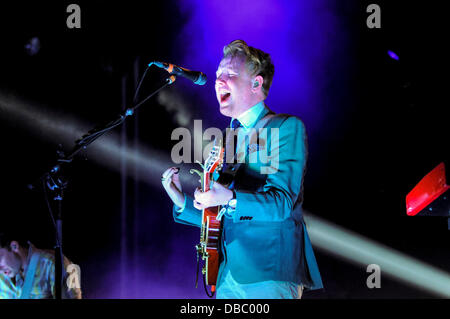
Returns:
(208,248)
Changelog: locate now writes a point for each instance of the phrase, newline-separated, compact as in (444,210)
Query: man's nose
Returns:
(220,82)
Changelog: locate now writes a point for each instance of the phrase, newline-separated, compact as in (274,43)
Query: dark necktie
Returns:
(235,124)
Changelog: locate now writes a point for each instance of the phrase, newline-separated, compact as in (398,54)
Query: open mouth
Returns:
(224,97)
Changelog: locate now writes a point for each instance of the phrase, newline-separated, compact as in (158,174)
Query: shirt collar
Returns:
(31,250)
(249,117)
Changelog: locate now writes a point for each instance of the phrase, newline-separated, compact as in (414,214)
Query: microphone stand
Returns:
(55,181)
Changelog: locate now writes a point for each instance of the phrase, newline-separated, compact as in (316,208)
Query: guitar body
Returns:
(210,240)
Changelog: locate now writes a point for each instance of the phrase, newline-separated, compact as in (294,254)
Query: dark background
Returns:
(382,130)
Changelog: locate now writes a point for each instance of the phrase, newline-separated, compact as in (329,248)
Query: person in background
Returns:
(16,257)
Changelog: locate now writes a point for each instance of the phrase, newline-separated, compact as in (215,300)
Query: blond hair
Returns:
(257,62)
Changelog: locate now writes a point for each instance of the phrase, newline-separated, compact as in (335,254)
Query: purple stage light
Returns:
(305,39)
(393,55)
(33,46)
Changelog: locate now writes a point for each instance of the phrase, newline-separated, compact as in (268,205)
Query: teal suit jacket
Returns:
(266,237)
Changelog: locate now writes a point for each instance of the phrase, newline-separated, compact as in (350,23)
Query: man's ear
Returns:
(14,246)
(257,83)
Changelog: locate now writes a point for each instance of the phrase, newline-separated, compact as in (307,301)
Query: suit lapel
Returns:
(232,168)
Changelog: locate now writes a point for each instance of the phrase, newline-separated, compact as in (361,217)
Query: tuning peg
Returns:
(199,163)
(196,171)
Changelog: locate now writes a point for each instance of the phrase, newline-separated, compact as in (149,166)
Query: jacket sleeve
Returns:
(286,162)
(188,214)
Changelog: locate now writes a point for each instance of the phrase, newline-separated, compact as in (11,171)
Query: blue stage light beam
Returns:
(357,249)
(107,150)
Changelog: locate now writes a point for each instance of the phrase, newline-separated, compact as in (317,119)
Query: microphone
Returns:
(195,76)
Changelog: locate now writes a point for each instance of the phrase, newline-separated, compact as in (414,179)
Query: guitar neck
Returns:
(214,162)
(206,181)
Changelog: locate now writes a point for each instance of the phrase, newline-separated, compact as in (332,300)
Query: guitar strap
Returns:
(29,277)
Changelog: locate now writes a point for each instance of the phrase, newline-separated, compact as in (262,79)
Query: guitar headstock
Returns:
(215,160)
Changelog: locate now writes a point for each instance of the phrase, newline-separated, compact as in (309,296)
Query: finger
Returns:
(166,172)
(166,180)
(169,172)
(167,176)
(176,176)
(217,185)
(198,205)
(198,194)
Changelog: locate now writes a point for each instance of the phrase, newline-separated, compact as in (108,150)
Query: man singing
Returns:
(265,248)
